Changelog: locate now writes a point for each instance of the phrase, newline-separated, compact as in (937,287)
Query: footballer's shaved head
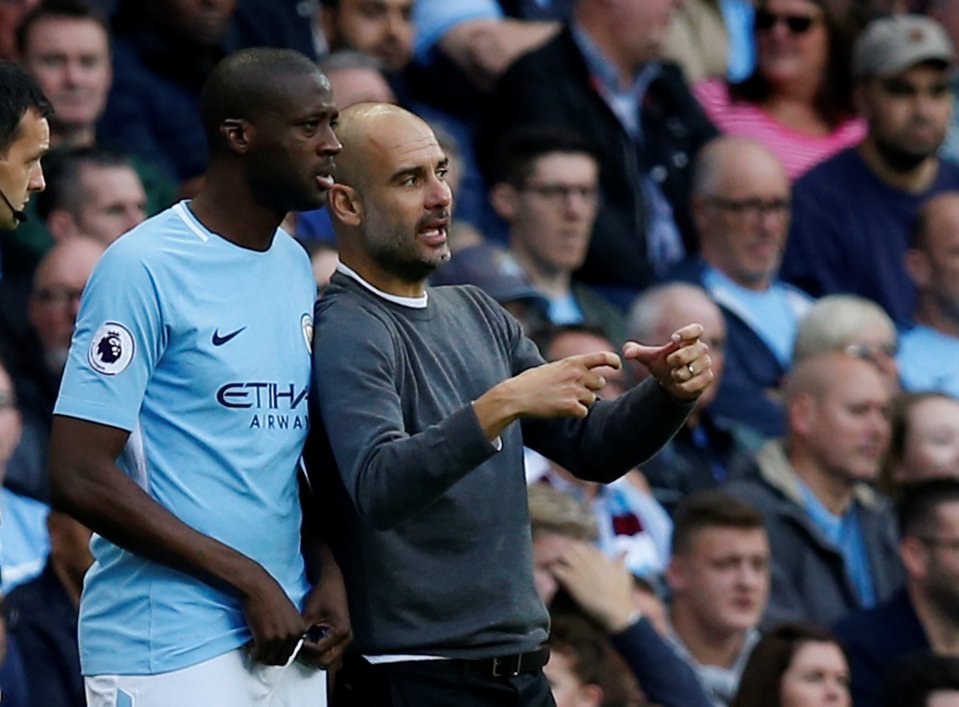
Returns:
(248,83)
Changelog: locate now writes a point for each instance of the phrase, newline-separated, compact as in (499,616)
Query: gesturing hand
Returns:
(682,366)
(564,388)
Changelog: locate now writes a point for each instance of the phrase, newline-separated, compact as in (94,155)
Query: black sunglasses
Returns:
(796,24)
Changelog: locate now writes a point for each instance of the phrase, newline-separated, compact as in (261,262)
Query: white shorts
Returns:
(229,680)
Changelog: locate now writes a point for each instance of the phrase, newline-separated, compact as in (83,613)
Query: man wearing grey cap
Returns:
(852,213)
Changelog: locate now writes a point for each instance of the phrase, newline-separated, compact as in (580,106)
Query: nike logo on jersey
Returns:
(220,340)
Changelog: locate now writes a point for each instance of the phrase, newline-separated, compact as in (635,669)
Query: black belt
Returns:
(509,665)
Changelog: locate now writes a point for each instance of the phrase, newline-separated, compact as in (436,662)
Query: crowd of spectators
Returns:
(780,171)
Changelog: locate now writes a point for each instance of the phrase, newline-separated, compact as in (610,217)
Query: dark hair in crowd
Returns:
(61,169)
(518,149)
(919,501)
(916,678)
(834,102)
(591,658)
(710,509)
(18,93)
(770,659)
(60,9)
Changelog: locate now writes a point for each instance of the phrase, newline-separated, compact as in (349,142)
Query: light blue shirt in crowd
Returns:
(845,534)
(774,313)
(565,310)
(738,17)
(434,18)
(24,539)
(950,146)
(200,349)
(929,360)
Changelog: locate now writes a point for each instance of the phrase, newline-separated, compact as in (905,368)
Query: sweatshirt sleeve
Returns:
(614,437)
(665,678)
(389,474)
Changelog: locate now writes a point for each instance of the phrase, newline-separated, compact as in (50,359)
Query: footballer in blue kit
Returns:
(209,376)
(182,415)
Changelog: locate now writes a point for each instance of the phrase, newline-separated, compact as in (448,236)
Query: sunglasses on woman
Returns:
(796,24)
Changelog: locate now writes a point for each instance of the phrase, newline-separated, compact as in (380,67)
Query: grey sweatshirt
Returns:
(428,521)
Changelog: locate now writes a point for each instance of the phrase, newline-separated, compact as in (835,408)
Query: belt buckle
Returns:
(501,669)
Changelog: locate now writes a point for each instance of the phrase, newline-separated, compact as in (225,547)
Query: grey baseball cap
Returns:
(891,45)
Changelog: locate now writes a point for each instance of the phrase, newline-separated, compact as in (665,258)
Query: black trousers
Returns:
(435,683)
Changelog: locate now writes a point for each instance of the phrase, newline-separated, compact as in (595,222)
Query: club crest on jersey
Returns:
(306,324)
(111,349)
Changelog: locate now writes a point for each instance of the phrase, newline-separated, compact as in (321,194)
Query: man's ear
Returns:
(699,209)
(676,574)
(61,225)
(238,134)
(801,413)
(914,556)
(918,267)
(590,695)
(345,205)
(503,196)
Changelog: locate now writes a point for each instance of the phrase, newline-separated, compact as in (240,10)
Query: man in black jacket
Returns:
(924,615)
(601,75)
(42,615)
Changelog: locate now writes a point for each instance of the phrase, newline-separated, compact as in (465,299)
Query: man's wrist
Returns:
(495,410)
(624,622)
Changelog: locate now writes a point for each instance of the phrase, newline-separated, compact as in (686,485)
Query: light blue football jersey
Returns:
(929,360)
(201,350)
